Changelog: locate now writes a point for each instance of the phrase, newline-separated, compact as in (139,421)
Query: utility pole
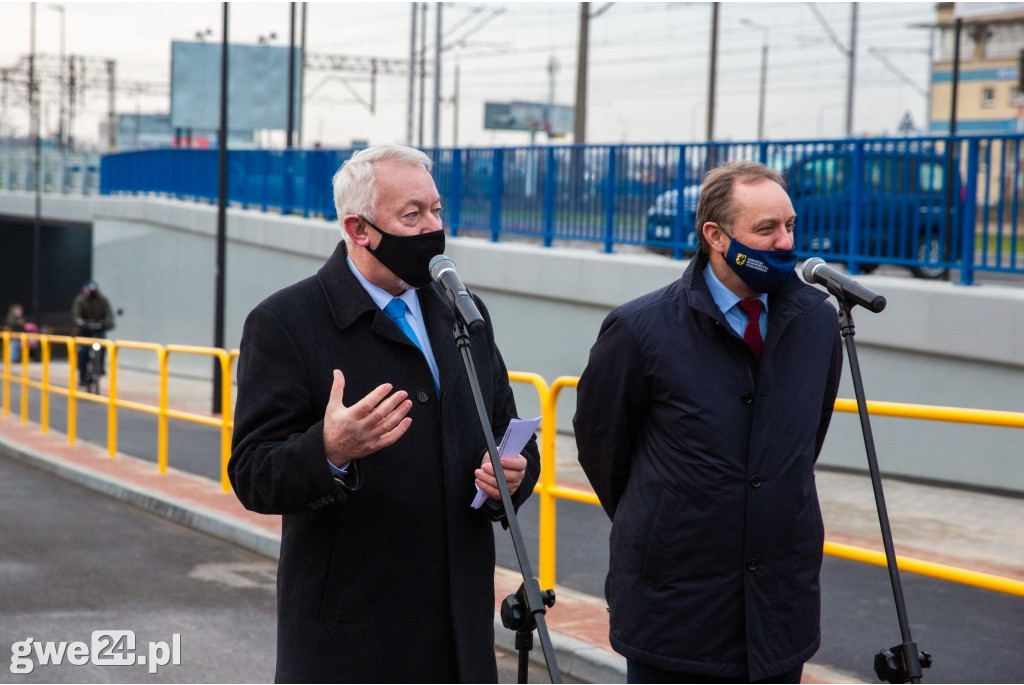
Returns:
(291,77)
(410,112)
(111,107)
(852,70)
(302,75)
(579,126)
(423,71)
(850,53)
(455,106)
(552,72)
(437,78)
(709,133)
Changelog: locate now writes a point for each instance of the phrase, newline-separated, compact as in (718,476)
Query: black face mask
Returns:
(408,256)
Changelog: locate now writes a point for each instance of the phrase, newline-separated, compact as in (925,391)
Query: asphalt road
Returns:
(974,635)
(78,566)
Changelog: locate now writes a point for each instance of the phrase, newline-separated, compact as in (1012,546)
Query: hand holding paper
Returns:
(516,436)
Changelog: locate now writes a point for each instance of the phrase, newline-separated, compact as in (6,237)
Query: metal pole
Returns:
(455,106)
(33,107)
(956,80)
(709,133)
(302,76)
(760,98)
(111,107)
(222,191)
(579,127)
(437,78)
(423,72)
(291,77)
(852,70)
(63,81)
(410,111)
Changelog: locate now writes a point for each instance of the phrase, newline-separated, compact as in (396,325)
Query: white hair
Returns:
(355,183)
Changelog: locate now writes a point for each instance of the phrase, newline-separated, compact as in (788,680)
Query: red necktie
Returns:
(752,334)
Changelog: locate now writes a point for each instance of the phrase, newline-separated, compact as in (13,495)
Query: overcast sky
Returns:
(648,78)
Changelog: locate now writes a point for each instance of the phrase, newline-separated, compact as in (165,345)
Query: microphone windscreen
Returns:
(439,264)
(810,266)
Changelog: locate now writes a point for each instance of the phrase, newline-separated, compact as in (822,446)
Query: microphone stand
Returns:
(902,663)
(524,610)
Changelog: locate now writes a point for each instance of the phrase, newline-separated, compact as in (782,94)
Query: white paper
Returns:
(516,436)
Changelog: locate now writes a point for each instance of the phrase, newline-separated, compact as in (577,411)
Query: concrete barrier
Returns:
(936,343)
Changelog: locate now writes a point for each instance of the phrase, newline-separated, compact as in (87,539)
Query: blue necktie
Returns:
(396,309)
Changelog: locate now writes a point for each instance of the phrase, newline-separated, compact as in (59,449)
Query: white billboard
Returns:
(257,86)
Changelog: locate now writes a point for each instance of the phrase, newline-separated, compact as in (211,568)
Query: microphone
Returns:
(842,286)
(442,270)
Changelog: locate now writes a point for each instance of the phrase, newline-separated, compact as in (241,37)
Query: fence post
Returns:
(609,202)
(497,184)
(455,194)
(550,188)
(969,211)
(856,195)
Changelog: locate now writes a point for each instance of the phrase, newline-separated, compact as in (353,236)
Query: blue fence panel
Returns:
(926,203)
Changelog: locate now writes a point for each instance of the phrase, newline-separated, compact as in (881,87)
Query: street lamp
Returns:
(764,73)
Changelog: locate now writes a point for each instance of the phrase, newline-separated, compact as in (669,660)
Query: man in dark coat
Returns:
(698,427)
(368,442)
(93,317)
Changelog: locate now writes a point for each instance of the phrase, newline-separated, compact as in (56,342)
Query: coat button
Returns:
(751,564)
(422,395)
(756,481)
(747,398)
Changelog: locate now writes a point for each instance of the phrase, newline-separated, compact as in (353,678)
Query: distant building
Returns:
(147,131)
(989,100)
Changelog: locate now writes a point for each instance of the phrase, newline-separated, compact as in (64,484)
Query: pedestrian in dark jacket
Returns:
(698,427)
(365,437)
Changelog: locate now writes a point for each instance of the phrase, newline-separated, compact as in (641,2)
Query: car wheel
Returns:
(929,250)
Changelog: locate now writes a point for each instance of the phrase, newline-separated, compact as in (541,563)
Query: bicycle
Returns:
(93,367)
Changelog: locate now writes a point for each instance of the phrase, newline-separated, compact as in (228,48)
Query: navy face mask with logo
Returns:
(764,271)
(408,256)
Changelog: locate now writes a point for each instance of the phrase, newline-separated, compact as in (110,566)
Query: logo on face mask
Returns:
(408,256)
(764,271)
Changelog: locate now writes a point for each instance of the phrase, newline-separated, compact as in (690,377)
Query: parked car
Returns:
(661,220)
(900,200)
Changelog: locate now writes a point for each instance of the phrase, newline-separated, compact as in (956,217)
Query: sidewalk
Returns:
(944,525)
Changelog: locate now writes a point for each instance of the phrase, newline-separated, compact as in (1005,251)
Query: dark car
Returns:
(661,220)
(897,208)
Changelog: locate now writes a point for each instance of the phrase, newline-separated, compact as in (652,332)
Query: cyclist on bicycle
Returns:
(93,317)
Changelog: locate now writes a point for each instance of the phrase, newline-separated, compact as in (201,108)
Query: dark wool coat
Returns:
(393,580)
(704,460)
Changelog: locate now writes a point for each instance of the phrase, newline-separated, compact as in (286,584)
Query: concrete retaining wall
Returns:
(936,343)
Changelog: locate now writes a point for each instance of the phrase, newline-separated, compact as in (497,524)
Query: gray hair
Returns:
(355,183)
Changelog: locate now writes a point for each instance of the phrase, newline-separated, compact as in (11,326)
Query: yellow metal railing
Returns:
(161,410)
(548,490)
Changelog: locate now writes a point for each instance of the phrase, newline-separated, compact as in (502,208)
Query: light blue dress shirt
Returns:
(726,301)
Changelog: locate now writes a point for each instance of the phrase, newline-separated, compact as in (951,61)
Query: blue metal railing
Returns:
(928,204)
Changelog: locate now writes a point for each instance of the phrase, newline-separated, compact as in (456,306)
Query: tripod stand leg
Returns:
(524,643)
